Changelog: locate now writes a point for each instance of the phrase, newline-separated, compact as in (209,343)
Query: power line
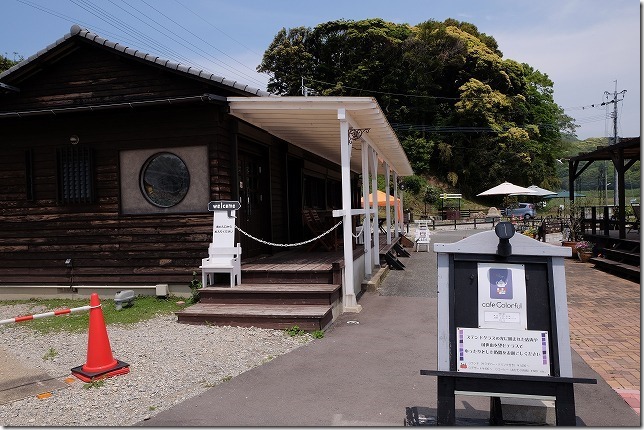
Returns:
(70,19)
(393,94)
(187,43)
(200,38)
(133,37)
(584,107)
(458,129)
(129,30)
(216,28)
(131,40)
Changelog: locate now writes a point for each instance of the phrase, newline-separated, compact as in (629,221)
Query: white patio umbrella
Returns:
(537,192)
(507,188)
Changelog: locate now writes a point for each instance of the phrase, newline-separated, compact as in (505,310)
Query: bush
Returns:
(195,286)
(414,184)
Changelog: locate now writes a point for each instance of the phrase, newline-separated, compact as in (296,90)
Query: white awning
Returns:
(312,123)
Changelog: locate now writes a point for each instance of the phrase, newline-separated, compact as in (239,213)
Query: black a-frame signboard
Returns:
(503,322)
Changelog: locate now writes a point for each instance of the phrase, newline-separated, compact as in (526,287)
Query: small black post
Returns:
(496,412)
(446,406)
(565,405)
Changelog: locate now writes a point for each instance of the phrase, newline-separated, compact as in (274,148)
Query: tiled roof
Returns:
(77,31)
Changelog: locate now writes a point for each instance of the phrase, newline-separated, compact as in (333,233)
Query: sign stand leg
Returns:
(565,405)
(496,412)
(446,402)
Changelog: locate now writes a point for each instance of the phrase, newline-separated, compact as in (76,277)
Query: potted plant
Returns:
(530,232)
(572,233)
(584,250)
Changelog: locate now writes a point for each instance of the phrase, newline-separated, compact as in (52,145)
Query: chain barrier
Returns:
(355,236)
(288,244)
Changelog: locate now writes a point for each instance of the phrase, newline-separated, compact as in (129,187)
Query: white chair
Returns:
(221,260)
(422,235)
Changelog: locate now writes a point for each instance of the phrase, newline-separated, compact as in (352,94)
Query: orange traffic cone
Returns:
(100,362)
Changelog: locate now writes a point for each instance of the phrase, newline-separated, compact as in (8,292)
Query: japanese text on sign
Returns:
(522,352)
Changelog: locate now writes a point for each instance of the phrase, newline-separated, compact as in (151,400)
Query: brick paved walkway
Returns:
(604,314)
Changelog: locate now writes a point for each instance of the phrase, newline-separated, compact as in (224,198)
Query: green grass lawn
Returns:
(143,308)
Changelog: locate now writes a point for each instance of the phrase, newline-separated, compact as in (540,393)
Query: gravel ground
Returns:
(169,363)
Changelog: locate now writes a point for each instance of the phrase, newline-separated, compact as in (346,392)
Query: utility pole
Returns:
(615,138)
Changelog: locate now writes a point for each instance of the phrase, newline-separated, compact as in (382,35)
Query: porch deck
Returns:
(292,287)
(300,260)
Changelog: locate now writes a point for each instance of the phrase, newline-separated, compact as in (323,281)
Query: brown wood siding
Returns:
(106,247)
(95,76)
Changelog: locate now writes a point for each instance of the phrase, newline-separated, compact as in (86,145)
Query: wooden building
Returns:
(110,157)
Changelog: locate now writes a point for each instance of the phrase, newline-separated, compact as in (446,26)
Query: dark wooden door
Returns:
(254,214)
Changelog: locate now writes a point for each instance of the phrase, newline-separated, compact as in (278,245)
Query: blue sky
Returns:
(587,47)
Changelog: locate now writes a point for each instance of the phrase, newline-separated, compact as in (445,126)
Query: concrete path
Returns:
(365,371)
(19,380)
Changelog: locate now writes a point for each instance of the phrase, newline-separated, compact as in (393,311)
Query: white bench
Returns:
(221,260)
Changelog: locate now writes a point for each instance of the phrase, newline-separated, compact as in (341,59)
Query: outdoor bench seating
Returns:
(317,226)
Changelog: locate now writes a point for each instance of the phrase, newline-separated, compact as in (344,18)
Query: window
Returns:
(164,180)
(314,192)
(75,175)
(334,194)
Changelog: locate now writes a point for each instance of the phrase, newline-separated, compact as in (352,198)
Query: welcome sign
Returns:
(223,224)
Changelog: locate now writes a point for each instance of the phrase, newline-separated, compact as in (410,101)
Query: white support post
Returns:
(402,208)
(396,207)
(349,302)
(367,219)
(387,204)
(374,190)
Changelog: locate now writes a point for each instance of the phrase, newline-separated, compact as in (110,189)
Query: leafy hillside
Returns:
(463,112)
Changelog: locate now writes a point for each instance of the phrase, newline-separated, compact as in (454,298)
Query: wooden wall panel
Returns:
(90,75)
(106,247)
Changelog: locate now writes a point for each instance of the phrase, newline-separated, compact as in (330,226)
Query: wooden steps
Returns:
(277,275)
(632,258)
(620,257)
(624,270)
(273,294)
(306,317)
(288,289)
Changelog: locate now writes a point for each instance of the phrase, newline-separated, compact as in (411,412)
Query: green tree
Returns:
(462,112)
(6,63)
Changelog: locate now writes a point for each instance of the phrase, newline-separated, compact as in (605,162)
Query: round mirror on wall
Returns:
(164,179)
